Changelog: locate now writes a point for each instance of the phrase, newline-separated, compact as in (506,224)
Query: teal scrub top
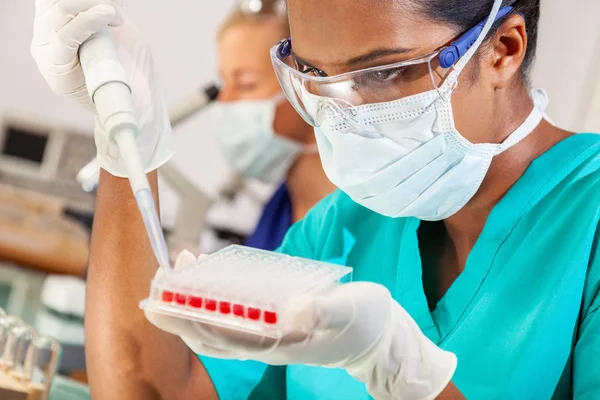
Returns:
(523,317)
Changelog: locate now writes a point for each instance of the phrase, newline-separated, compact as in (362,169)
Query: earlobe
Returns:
(510,47)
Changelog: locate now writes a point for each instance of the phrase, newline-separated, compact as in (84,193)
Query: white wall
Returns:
(567,62)
(182,35)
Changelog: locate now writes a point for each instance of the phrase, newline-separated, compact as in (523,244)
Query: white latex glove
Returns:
(357,327)
(60,27)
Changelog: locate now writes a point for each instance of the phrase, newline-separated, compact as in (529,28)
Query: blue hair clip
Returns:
(451,54)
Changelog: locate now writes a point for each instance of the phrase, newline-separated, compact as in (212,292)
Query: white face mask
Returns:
(247,140)
(408,159)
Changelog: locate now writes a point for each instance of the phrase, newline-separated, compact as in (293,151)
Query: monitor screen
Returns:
(23,144)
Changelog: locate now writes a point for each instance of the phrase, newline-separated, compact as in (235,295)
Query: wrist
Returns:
(154,153)
(404,364)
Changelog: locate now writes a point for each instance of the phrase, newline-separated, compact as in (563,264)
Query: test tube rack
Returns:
(28,360)
(14,388)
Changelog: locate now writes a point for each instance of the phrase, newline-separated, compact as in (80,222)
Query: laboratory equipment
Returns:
(108,88)
(45,158)
(20,290)
(7,323)
(37,165)
(18,339)
(89,175)
(42,361)
(64,294)
(193,222)
(34,232)
(243,289)
(194,203)
(28,361)
(68,389)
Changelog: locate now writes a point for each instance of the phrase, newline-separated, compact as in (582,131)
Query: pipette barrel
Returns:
(109,90)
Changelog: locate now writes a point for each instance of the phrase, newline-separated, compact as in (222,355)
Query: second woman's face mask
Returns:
(248,142)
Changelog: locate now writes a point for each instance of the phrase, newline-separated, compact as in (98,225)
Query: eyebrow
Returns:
(302,61)
(362,59)
(376,54)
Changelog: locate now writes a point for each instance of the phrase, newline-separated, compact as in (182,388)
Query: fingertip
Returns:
(119,18)
(104,10)
(186,254)
(159,273)
(110,14)
(185,257)
(174,326)
(334,310)
(300,315)
(152,318)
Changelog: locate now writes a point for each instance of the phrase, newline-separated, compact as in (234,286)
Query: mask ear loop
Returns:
(540,100)
(443,91)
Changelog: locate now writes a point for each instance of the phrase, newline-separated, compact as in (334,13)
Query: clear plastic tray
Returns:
(242,288)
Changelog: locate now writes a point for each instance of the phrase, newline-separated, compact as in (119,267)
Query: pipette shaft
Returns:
(107,84)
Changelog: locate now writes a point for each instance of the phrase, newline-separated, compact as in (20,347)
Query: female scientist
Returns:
(472,223)
(258,131)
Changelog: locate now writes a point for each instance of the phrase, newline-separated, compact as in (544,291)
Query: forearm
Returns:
(127,357)
(451,393)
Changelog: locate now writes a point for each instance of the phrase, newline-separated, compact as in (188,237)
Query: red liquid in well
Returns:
(180,299)
(195,302)
(238,310)
(254,313)
(167,296)
(210,305)
(270,317)
(225,307)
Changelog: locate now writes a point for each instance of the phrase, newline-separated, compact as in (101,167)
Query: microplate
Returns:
(243,289)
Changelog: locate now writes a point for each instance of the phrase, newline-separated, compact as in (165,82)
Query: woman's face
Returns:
(338,36)
(247,73)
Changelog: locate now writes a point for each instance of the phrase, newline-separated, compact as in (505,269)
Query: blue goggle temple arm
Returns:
(451,54)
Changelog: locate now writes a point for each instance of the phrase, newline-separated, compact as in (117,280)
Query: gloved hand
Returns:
(357,327)
(60,27)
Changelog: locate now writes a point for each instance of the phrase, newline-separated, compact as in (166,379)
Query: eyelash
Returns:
(309,70)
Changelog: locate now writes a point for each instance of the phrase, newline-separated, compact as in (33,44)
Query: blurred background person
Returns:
(262,137)
(259,133)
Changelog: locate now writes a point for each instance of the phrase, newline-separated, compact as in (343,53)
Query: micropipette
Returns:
(109,90)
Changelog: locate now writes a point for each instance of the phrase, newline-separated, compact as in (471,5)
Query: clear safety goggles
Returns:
(316,97)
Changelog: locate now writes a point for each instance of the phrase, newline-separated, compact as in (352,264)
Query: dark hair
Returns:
(464,14)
